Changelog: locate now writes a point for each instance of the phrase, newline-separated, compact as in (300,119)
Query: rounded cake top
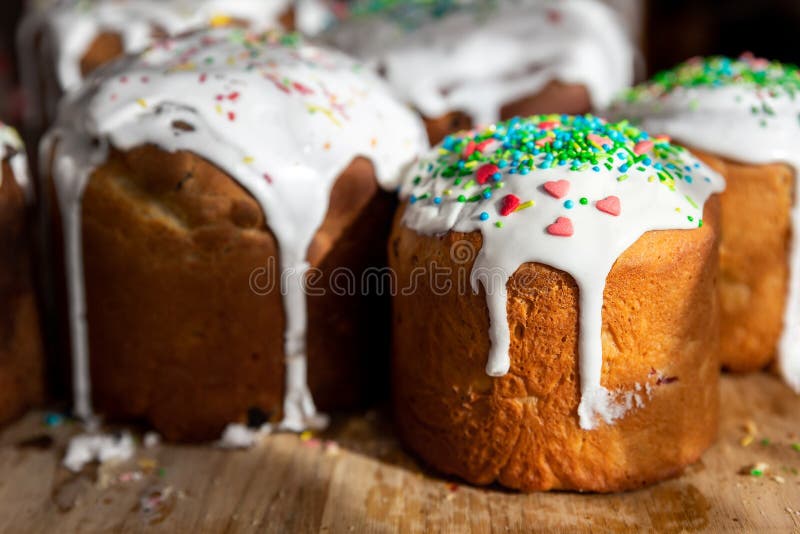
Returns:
(491,174)
(571,192)
(476,56)
(747,71)
(744,109)
(281,116)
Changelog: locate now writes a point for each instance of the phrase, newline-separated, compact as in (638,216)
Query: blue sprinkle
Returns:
(437,200)
(484,216)
(596,168)
(569,204)
(497,176)
(624,167)
(487,194)
(413,199)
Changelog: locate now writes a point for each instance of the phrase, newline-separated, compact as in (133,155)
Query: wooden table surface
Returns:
(356,478)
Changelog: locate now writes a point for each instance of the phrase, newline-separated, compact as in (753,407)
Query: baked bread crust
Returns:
(754,260)
(170,245)
(660,330)
(21,367)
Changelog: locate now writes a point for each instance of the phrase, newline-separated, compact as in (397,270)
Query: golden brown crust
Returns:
(177,336)
(21,370)
(660,323)
(555,97)
(754,263)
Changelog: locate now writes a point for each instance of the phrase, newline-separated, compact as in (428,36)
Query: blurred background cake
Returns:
(741,115)
(461,64)
(61,41)
(21,365)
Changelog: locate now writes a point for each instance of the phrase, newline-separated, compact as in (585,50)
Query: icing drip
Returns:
(478,56)
(11,147)
(281,117)
(745,110)
(69,27)
(569,192)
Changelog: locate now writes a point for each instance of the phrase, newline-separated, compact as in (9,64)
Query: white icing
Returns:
(480,57)
(284,121)
(238,436)
(11,147)
(86,448)
(588,255)
(69,27)
(721,120)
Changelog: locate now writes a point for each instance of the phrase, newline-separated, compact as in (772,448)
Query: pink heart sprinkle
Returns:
(557,189)
(561,228)
(610,205)
(485,172)
(642,147)
(508,205)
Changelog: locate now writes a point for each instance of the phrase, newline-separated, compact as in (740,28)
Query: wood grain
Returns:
(356,478)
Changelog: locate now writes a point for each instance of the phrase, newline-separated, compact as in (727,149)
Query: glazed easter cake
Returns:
(61,41)
(464,63)
(741,116)
(576,345)
(198,185)
(21,373)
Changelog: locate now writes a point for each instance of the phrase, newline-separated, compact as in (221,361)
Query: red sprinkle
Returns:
(302,88)
(470,149)
(561,228)
(203,78)
(231,116)
(546,125)
(557,189)
(663,137)
(508,205)
(610,205)
(485,173)
(643,146)
(268,178)
(233,96)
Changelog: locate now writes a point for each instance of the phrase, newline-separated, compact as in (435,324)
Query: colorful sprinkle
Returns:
(610,205)
(561,228)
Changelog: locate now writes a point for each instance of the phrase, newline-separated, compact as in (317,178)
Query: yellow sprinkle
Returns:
(231,60)
(651,179)
(307,435)
(219,109)
(220,19)
(249,159)
(148,464)
(525,205)
(447,192)
(374,142)
(747,440)
(678,210)
(327,146)
(142,102)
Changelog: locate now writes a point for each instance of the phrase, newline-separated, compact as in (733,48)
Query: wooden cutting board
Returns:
(356,478)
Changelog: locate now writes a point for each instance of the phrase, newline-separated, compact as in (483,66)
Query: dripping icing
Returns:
(745,110)
(497,181)
(281,117)
(482,55)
